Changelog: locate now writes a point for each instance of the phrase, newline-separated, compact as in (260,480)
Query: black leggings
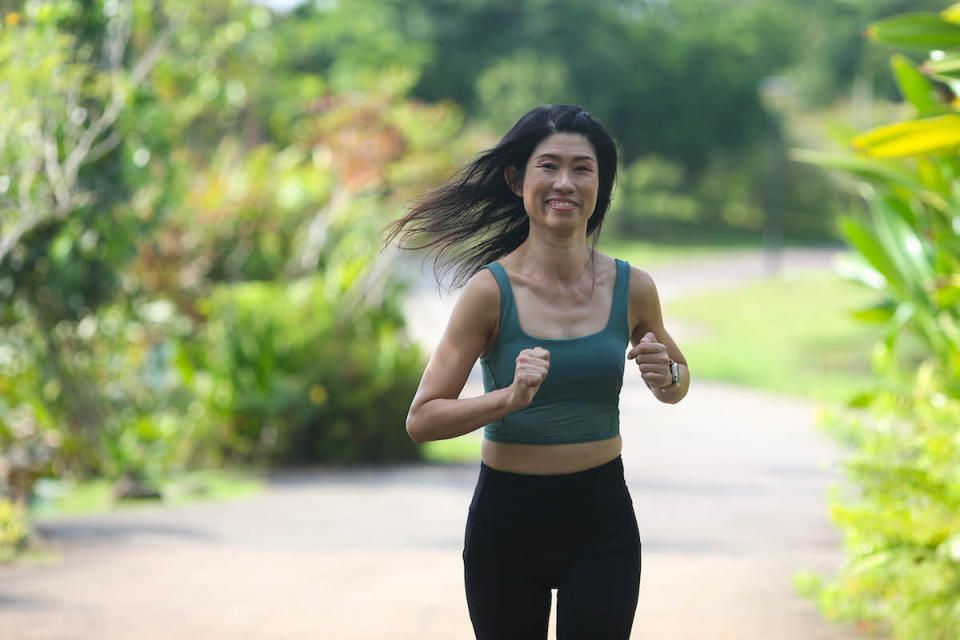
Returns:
(574,532)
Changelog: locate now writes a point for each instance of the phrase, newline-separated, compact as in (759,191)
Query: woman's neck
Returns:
(564,260)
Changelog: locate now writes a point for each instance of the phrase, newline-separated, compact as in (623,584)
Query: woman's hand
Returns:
(529,373)
(653,361)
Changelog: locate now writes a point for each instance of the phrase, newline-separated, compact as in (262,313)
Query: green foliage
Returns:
(649,191)
(213,169)
(511,85)
(285,373)
(835,52)
(13,529)
(624,67)
(903,528)
(497,61)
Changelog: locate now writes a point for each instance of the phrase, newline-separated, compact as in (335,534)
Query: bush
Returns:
(284,376)
(903,529)
(13,529)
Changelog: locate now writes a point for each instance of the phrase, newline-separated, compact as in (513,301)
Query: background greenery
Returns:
(192,196)
(902,574)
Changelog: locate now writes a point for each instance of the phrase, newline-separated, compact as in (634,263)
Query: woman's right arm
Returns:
(437,412)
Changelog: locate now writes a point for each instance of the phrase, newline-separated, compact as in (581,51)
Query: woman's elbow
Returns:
(413,428)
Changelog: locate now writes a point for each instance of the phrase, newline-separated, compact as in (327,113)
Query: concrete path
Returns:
(728,486)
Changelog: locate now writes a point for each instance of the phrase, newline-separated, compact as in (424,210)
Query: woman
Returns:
(550,318)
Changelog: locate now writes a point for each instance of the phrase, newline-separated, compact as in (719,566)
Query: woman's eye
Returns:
(583,168)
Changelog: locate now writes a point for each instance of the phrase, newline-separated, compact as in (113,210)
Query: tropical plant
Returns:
(903,529)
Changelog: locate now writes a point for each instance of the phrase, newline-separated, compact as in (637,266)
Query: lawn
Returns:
(658,253)
(54,498)
(791,335)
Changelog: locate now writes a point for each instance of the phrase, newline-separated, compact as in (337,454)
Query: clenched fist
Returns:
(652,360)
(530,372)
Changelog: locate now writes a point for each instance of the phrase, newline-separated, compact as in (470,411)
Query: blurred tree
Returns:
(63,230)
(223,161)
(837,56)
(104,102)
(675,80)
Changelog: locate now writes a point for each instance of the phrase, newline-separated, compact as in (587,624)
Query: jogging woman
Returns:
(550,319)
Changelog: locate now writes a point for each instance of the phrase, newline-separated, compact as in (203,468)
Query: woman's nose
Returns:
(563,181)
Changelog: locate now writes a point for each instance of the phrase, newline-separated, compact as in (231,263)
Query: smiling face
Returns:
(560,182)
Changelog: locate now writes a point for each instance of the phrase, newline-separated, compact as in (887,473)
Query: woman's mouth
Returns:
(561,205)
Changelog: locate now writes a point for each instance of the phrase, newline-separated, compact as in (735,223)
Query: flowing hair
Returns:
(475,218)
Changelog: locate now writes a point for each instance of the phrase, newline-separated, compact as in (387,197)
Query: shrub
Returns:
(283,376)
(13,529)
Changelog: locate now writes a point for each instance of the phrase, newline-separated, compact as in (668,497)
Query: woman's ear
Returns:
(510,174)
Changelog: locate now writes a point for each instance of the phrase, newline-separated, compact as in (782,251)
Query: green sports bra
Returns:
(579,399)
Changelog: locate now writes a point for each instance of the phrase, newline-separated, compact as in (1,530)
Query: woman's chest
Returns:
(562,315)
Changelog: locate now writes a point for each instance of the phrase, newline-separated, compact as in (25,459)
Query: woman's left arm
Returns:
(653,348)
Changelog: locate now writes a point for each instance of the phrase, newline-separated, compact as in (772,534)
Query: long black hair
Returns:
(475,218)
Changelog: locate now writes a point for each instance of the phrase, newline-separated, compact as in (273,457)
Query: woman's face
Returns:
(560,184)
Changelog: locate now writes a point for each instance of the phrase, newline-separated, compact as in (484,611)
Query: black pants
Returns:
(574,532)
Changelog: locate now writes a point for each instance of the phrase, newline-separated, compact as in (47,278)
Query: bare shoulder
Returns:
(644,299)
(606,266)
(641,284)
(477,311)
(481,292)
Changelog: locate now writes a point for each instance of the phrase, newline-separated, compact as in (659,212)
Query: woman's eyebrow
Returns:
(553,155)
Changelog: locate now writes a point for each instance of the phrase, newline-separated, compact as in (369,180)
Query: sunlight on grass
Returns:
(792,335)
(56,498)
(465,449)
(646,254)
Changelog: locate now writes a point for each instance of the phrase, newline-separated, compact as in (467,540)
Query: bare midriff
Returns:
(544,459)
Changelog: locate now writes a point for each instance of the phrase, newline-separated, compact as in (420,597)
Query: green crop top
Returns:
(579,399)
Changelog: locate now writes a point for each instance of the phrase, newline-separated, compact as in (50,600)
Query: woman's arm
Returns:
(647,317)
(437,412)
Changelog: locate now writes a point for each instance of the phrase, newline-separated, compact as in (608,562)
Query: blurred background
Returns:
(194,292)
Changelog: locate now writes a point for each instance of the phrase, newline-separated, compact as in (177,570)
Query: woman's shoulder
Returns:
(609,264)
(481,291)
(641,282)
(642,293)
(482,282)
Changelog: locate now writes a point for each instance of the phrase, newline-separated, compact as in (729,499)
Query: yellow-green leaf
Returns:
(879,312)
(947,293)
(926,135)
(920,30)
(882,170)
(951,13)
(915,87)
(932,176)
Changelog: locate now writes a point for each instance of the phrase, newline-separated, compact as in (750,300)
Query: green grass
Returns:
(55,498)
(682,244)
(787,335)
(646,254)
(465,449)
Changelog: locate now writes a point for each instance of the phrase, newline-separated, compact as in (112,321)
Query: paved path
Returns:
(728,487)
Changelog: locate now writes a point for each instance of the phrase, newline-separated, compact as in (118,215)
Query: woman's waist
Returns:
(548,459)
